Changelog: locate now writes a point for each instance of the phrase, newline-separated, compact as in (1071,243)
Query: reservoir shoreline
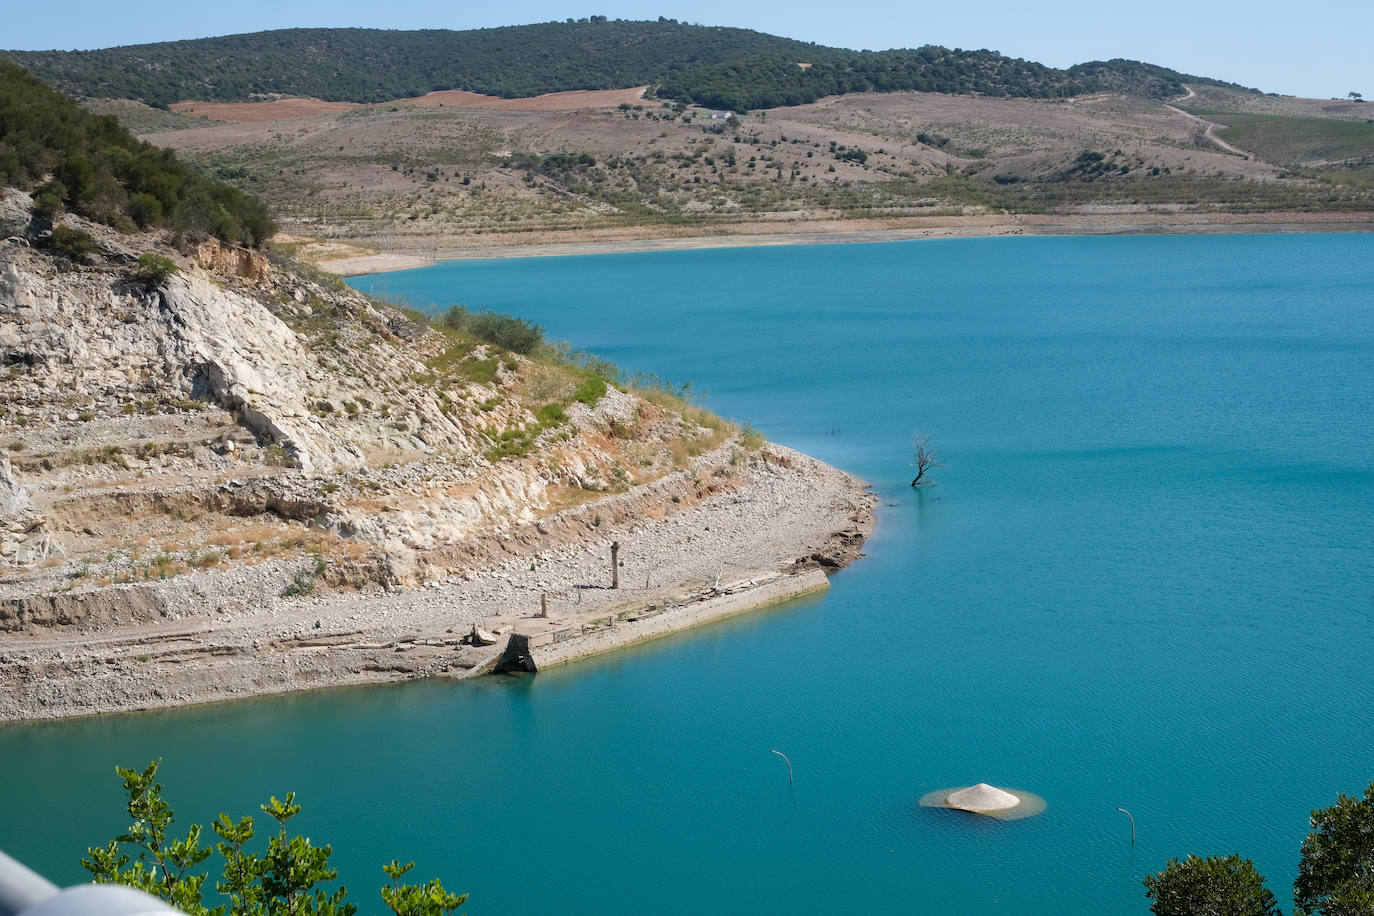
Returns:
(756,534)
(837,232)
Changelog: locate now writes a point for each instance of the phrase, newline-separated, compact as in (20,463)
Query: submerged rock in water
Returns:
(1003,804)
(982,797)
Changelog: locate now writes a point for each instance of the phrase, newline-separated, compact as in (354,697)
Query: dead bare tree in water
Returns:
(924,458)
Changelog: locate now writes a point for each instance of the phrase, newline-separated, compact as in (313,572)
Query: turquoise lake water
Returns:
(1145,579)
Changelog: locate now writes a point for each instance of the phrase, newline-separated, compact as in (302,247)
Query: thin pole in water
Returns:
(789,764)
(1128,814)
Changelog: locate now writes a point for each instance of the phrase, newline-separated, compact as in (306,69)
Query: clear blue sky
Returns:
(1319,50)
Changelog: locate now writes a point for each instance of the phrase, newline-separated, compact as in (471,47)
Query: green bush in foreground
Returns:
(590,390)
(284,879)
(1335,874)
(1336,877)
(508,332)
(1229,886)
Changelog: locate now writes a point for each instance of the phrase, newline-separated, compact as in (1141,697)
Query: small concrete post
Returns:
(544,604)
(615,564)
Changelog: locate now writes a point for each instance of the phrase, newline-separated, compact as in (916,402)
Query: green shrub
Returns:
(145,210)
(47,203)
(154,269)
(592,389)
(108,175)
(515,334)
(551,415)
(74,243)
(303,583)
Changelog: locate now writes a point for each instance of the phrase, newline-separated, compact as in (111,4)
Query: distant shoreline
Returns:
(829,233)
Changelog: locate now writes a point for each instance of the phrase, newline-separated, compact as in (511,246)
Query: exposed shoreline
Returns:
(758,537)
(836,232)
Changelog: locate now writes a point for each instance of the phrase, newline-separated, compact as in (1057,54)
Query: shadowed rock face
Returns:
(15,210)
(22,535)
(982,797)
(14,499)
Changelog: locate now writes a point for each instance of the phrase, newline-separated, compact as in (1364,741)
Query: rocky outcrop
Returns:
(233,481)
(232,260)
(15,507)
(134,409)
(23,540)
(245,358)
(15,208)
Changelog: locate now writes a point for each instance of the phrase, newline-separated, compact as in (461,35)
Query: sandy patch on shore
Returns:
(832,232)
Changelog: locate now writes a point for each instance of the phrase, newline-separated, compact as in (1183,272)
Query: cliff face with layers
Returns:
(233,441)
(252,394)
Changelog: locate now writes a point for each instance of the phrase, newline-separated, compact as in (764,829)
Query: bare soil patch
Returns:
(284,109)
(257,112)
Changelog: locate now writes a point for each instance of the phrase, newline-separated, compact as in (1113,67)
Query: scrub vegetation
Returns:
(72,159)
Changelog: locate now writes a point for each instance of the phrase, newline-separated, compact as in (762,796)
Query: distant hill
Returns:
(721,67)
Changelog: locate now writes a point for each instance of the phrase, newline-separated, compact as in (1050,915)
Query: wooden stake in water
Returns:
(789,764)
(1128,814)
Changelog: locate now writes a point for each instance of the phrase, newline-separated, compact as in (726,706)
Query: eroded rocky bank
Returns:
(239,480)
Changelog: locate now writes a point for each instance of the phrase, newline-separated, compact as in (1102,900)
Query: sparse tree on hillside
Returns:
(1356,97)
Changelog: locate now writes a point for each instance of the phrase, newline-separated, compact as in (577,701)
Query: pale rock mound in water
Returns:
(982,797)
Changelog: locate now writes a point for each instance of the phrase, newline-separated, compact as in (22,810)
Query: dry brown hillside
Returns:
(420,177)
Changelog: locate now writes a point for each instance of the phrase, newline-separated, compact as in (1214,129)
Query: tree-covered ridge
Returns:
(773,80)
(89,164)
(717,66)
(375,65)
(770,81)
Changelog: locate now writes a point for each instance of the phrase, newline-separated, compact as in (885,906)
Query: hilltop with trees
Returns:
(708,65)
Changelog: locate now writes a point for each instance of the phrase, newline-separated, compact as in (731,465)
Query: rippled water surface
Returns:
(1145,579)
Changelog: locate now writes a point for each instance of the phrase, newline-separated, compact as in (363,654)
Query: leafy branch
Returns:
(288,878)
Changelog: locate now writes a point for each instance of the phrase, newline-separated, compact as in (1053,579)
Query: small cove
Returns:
(1145,579)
